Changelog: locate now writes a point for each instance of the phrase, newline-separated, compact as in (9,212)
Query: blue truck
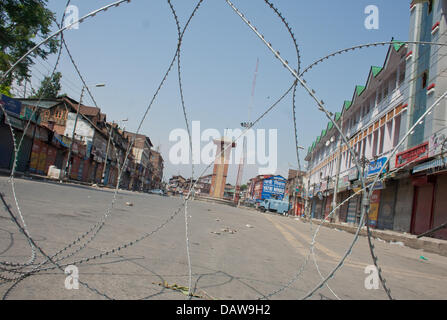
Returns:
(279,206)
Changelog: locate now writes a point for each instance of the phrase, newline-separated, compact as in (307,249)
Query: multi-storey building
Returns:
(371,122)
(296,182)
(141,168)
(381,114)
(422,155)
(204,184)
(157,164)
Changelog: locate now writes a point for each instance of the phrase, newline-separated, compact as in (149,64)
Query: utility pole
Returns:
(337,175)
(296,184)
(28,163)
(107,155)
(308,185)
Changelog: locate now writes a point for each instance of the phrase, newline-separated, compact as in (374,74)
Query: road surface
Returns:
(235,253)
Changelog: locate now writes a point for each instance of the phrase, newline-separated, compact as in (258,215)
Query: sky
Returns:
(130,47)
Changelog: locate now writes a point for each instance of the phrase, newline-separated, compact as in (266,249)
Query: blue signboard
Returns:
(274,187)
(375,166)
(11,105)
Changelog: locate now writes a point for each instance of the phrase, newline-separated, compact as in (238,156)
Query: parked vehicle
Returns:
(281,207)
(158,191)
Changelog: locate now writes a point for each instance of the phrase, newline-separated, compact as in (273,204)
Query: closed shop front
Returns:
(42,162)
(51,157)
(387,206)
(6,146)
(318,212)
(24,152)
(35,153)
(352,210)
(440,206)
(343,209)
(422,204)
(328,206)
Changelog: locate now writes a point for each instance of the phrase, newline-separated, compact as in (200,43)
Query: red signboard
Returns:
(419,152)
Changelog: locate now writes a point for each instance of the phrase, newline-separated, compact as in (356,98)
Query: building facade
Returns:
(380,114)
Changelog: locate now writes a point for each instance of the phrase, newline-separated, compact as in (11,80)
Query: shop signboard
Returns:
(343,182)
(274,187)
(375,166)
(437,143)
(373,213)
(11,105)
(379,185)
(417,153)
(437,164)
(353,174)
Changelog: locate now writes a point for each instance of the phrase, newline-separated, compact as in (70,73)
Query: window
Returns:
(424,79)
(363,147)
(385,90)
(375,138)
(396,130)
(402,74)
(382,139)
(430,6)
(393,81)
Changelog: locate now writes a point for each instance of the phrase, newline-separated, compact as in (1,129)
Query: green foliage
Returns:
(5,89)
(49,87)
(22,24)
(243,187)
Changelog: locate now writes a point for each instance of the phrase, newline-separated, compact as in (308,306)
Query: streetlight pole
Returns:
(70,148)
(308,185)
(107,155)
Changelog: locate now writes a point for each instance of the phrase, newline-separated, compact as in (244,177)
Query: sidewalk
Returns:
(428,244)
(38,177)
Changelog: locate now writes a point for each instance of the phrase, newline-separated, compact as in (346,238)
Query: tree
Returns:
(22,24)
(49,87)
(243,187)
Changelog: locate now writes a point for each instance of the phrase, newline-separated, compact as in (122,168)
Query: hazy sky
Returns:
(130,47)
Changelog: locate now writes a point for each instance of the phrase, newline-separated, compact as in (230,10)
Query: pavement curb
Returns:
(427,244)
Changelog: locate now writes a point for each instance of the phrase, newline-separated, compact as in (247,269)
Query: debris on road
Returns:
(249,226)
(228,230)
(223,230)
(175,287)
(423,258)
(129,204)
(399,243)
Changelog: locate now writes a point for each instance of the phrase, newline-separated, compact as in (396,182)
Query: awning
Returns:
(60,141)
(442,162)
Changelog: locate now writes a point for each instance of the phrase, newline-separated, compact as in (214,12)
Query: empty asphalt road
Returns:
(235,253)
